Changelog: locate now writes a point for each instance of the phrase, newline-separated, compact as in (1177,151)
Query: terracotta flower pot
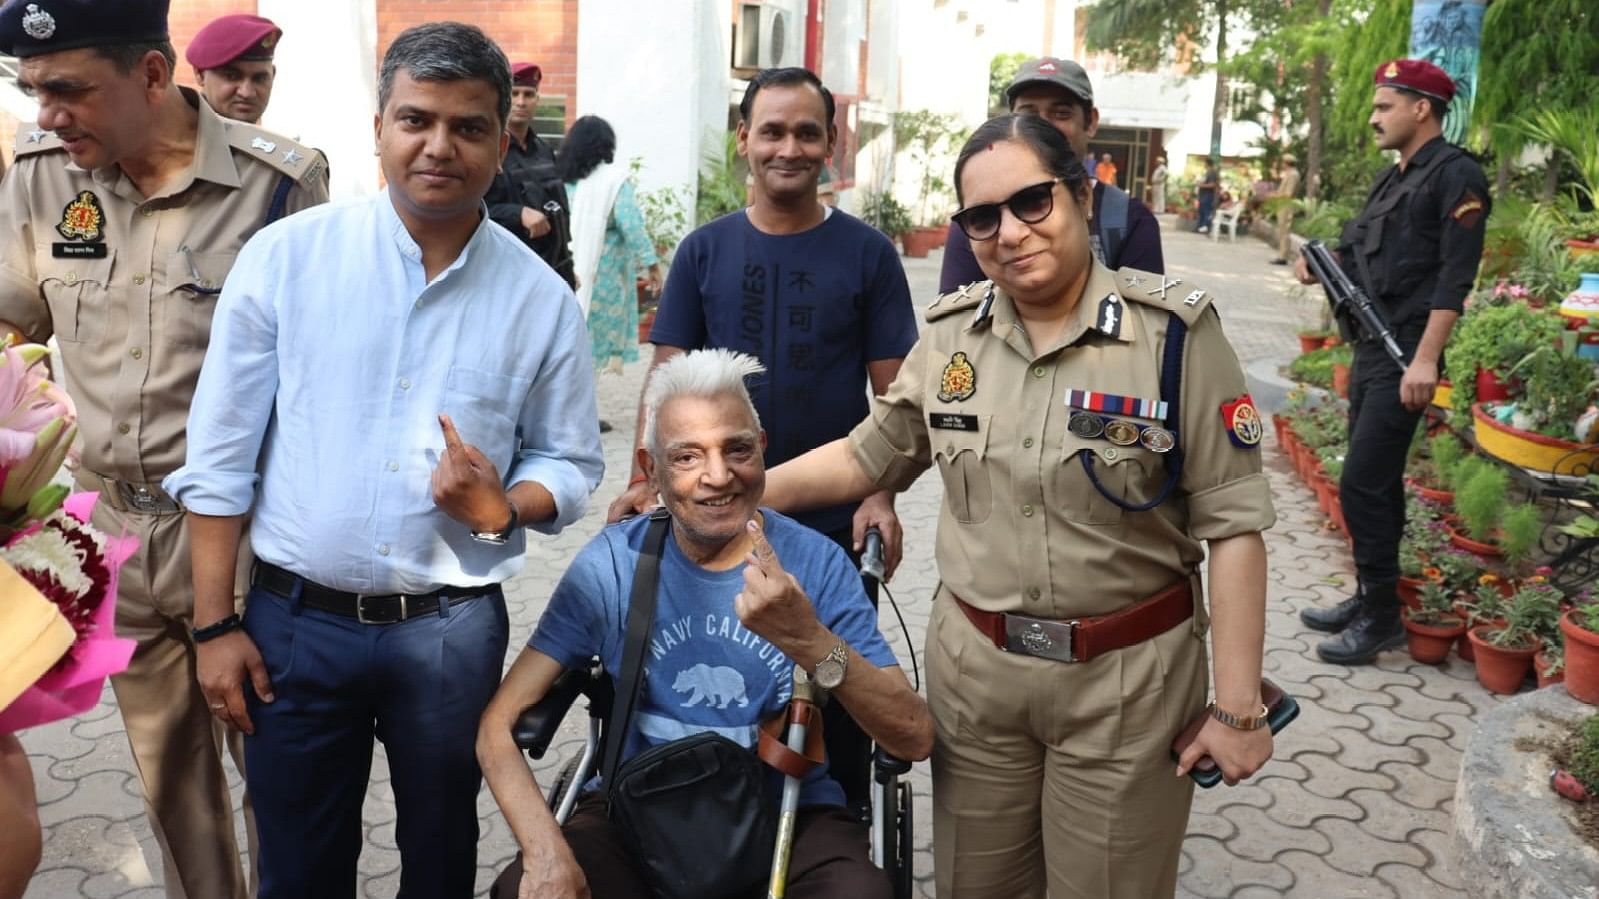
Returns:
(1332,340)
(1409,590)
(918,242)
(1318,483)
(1279,427)
(1336,513)
(1500,669)
(1309,343)
(1442,497)
(1341,380)
(1582,659)
(1540,668)
(1486,550)
(1430,643)
(1530,450)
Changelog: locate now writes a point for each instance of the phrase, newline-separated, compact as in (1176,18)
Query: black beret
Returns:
(33,27)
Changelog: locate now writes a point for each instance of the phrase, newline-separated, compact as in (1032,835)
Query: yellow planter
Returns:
(1442,393)
(1529,450)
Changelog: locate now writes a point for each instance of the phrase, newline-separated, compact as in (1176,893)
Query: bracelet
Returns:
(637,479)
(213,631)
(1239,722)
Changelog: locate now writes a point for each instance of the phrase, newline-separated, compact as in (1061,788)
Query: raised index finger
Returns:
(452,439)
(760,548)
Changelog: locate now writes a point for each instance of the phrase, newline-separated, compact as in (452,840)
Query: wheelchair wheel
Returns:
(563,782)
(904,872)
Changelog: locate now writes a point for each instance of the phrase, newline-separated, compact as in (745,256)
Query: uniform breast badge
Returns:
(1109,320)
(82,219)
(959,381)
(1243,422)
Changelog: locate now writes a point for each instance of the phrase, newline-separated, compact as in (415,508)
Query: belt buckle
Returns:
(139,498)
(1040,637)
(360,609)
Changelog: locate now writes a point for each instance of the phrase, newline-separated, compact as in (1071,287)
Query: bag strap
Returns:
(640,618)
(773,751)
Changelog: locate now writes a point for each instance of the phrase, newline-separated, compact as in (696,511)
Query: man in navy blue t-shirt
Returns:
(817,295)
(744,595)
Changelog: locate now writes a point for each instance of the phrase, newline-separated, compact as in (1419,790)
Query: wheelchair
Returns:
(869,776)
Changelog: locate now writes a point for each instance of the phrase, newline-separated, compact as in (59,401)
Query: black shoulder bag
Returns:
(696,811)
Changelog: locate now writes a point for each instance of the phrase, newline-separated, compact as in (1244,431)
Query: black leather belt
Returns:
(367,608)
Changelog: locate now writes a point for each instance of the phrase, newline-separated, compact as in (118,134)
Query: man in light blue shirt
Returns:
(398,386)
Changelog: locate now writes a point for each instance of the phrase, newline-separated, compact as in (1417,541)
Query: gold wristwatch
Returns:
(829,672)
(1239,722)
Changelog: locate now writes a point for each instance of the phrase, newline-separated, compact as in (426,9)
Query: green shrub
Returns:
(1585,760)
(1481,501)
(1447,451)
(1520,527)
(1464,470)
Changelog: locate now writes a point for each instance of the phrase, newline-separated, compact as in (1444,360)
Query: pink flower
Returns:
(37,426)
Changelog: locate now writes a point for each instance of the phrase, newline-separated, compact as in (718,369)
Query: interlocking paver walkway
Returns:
(1356,803)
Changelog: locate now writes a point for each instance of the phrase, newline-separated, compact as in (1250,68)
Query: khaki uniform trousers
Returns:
(1054,776)
(1285,233)
(177,744)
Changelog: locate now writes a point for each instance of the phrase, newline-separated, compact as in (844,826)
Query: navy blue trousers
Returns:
(419,686)
(1207,211)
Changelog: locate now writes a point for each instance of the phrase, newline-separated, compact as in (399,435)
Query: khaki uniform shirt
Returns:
(128,283)
(1022,528)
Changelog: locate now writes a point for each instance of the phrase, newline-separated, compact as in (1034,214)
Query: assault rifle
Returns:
(1356,314)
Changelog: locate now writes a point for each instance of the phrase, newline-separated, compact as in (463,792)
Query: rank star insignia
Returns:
(262,144)
(39,25)
(1134,280)
(1165,285)
(36,135)
(82,219)
(290,157)
(1243,422)
(959,381)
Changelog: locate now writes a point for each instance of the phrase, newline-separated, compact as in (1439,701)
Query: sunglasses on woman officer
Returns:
(1030,204)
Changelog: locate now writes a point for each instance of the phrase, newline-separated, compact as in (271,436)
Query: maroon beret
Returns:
(250,38)
(1418,76)
(526,74)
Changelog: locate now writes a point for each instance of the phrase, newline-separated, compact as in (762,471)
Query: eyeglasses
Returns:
(1030,205)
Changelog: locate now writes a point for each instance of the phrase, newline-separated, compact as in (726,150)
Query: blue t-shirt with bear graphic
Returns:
(703,670)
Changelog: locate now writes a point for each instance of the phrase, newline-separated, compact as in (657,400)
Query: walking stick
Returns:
(804,695)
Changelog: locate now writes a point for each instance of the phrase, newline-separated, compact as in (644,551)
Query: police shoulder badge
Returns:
(1468,211)
(83,219)
(1242,421)
(959,381)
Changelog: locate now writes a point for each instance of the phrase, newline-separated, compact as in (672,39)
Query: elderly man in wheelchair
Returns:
(746,603)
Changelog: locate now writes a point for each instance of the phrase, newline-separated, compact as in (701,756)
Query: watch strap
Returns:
(1240,722)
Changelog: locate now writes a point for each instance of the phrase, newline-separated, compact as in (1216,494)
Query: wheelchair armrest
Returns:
(886,767)
(535,728)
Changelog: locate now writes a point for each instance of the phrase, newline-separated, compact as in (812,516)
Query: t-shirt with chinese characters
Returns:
(703,670)
(814,307)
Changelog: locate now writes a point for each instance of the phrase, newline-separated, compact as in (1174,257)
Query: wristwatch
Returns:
(829,672)
(1238,722)
(501,536)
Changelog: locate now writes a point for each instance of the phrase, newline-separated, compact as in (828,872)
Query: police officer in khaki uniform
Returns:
(1093,431)
(128,202)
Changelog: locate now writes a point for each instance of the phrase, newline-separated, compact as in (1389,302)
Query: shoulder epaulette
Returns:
(33,139)
(1164,292)
(300,162)
(969,296)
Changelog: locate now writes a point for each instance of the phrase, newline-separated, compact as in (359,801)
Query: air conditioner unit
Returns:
(782,33)
(769,34)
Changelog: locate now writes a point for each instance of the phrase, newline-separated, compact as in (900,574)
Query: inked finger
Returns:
(764,554)
(452,438)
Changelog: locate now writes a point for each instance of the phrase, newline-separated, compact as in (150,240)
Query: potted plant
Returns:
(1540,429)
(926,136)
(1504,652)
(1483,606)
(1549,664)
(1493,338)
(1311,339)
(1433,628)
(1479,503)
(1580,627)
(888,215)
(1430,469)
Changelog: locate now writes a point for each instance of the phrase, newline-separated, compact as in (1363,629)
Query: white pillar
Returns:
(326,89)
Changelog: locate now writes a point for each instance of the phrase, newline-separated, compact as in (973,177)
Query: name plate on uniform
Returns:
(948,421)
(78,250)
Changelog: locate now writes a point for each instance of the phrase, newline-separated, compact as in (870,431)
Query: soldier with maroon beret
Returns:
(232,59)
(1414,249)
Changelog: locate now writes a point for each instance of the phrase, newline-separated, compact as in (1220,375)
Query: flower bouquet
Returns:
(58,574)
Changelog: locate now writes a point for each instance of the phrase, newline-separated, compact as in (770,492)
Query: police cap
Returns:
(1417,76)
(34,27)
(230,38)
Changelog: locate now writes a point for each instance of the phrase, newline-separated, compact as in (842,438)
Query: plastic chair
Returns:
(1226,217)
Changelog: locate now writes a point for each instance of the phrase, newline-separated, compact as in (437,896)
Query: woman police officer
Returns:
(1092,429)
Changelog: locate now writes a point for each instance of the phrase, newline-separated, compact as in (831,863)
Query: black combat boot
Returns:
(1375,628)
(1333,620)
